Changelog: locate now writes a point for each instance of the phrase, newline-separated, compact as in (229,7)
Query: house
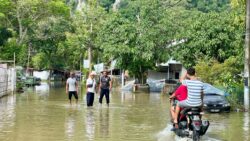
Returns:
(166,76)
(171,70)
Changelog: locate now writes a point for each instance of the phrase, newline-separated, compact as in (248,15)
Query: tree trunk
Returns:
(22,31)
(90,58)
(116,5)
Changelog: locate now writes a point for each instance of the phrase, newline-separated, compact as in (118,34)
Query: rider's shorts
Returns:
(183,104)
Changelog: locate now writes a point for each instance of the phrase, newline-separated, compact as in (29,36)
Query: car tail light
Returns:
(202,113)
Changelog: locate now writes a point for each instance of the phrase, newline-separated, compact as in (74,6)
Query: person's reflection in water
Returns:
(104,122)
(70,124)
(90,125)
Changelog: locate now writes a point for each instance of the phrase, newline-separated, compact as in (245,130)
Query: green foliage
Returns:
(211,35)
(47,39)
(5,6)
(107,4)
(208,5)
(86,25)
(221,74)
(137,36)
(12,47)
(5,34)
(58,8)
(236,96)
(40,61)
(227,75)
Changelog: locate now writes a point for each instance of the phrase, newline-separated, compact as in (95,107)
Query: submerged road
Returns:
(42,113)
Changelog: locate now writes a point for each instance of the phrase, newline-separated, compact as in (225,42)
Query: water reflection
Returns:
(246,125)
(127,96)
(7,114)
(43,89)
(90,124)
(70,124)
(57,84)
(104,122)
(130,117)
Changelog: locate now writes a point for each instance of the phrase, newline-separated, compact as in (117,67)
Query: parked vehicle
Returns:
(214,99)
(190,124)
(31,81)
(215,103)
(209,89)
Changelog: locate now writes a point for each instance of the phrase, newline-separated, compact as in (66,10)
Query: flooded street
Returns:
(42,113)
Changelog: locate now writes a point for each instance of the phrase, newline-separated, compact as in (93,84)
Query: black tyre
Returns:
(196,135)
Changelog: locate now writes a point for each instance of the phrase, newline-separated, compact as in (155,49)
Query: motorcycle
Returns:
(190,124)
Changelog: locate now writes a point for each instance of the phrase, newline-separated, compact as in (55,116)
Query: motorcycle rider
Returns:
(180,94)
(194,96)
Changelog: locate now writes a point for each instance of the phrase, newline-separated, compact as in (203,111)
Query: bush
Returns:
(236,97)
(225,74)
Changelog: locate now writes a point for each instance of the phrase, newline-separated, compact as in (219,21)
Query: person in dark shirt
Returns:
(105,87)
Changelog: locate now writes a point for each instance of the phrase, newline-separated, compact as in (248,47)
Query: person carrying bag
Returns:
(90,86)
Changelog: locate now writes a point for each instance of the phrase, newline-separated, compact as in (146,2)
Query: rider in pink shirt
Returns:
(180,94)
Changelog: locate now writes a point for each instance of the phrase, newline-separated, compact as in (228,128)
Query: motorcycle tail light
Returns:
(197,123)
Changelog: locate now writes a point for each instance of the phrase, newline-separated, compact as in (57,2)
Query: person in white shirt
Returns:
(90,86)
(72,87)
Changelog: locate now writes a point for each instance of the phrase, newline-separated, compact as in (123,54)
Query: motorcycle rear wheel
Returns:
(196,136)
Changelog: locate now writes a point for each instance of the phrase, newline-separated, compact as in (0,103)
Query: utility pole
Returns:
(14,60)
(90,50)
(247,61)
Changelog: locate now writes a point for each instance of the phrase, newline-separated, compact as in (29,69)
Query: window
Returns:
(177,75)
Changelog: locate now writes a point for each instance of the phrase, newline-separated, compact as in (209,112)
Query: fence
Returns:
(7,81)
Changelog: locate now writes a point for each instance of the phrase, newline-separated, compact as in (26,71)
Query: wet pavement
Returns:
(42,113)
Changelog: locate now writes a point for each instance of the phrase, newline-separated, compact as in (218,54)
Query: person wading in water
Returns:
(91,86)
(105,87)
(72,87)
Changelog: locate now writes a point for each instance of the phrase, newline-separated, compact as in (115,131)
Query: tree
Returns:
(107,4)
(210,35)
(137,36)
(48,37)
(5,34)
(208,5)
(22,18)
(86,24)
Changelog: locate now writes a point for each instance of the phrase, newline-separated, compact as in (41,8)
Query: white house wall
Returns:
(44,75)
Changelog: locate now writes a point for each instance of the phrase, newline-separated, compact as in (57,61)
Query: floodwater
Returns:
(42,113)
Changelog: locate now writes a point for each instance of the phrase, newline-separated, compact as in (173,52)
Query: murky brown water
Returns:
(42,113)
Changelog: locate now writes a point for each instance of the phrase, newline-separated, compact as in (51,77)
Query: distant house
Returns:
(171,70)
(167,73)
